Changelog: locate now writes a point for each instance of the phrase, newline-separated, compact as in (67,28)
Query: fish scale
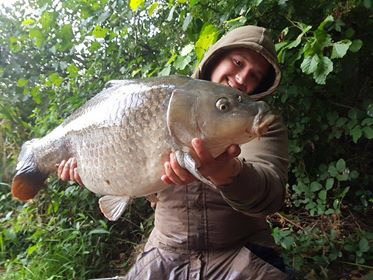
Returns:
(122,137)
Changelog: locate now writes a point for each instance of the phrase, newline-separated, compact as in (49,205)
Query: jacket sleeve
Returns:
(259,189)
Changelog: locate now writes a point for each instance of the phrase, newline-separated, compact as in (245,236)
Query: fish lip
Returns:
(261,124)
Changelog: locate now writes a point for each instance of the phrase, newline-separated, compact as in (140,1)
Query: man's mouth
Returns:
(230,83)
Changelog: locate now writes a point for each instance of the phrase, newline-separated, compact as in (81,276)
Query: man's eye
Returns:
(237,62)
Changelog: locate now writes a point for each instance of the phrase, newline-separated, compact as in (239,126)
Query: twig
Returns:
(290,221)
(341,105)
(356,264)
(353,218)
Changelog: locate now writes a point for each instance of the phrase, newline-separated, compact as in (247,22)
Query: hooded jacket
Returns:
(201,233)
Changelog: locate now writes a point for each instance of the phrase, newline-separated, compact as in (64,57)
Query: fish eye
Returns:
(222,104)
(239,98)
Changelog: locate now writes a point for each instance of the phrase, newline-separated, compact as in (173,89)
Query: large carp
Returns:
(123,135)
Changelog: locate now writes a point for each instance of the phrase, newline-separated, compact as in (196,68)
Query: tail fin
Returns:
(29,179)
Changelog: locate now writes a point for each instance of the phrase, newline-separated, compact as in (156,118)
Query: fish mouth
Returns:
(261,124)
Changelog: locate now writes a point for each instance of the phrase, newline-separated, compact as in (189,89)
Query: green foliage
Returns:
(56,55)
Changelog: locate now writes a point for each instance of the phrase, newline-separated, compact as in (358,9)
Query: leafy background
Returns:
(54,55)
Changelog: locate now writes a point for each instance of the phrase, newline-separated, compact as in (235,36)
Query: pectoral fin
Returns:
(113,206)
(187,161)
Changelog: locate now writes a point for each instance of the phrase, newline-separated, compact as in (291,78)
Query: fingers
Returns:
(175,174)
(201,151)
(64,170)
(180,172)
(73,165)
(231,152)
(77,177)
(68,171)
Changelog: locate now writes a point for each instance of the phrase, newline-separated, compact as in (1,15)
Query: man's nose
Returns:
(242,76)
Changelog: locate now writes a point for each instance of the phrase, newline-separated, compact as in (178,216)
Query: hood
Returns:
(252,37)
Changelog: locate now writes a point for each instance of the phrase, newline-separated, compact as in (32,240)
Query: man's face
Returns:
(242,69)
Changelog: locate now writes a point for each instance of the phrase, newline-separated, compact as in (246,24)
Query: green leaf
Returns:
(370,110)
(95,46)
(171,14)
(322,194)
(66,35)
(329,183)
(22,83)
(188,19)
(56,79)
(356,45)
(32,249)
(298,40)
(73,71)
(165,71)
(100,32)
(367,4)
(340,48)
(152,8)
(181,62)
(315,186)
(207,37)
(309,64)
(35,93)
(356,133)
(363,245)
(354,174)
(324,67)
(193,2)
(340,165)
(182,1)
(46,20)
(341,122)
(368,132)
(326,21)
(135,4)
(38,36)
(104,16)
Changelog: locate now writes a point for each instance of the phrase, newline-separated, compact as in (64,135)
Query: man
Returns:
(201,233)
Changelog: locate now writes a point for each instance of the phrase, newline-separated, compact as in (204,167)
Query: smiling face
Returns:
(242,69)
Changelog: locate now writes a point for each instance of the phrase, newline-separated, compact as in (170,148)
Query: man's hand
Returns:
(68,171)
(221,170)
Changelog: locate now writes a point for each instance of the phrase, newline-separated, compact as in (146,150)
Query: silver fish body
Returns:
(123,135)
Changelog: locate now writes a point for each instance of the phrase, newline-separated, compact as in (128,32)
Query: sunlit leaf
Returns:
(28,22)
(73,71)
(188,19)
(22,83)
(207,37)
(329,19)
(100,32)
(187,49)
(340,48)
(135,4)
(152,8)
